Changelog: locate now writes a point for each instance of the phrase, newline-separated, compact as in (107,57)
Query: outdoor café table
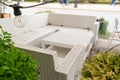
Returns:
(68,38)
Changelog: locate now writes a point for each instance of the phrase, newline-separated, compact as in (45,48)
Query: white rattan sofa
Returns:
(40,26)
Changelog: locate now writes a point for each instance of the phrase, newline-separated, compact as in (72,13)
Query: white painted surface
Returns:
(69,38)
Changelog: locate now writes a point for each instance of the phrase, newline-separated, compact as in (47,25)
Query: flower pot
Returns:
(5,15)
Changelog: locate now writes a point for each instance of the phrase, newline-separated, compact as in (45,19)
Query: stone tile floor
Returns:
(104,44)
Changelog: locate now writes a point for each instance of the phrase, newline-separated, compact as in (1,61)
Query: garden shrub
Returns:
(15,64)
(103,66)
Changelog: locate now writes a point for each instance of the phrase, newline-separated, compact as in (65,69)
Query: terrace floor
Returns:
(104,44)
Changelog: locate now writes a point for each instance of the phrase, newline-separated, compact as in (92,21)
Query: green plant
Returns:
(106,36)
(103,66)
(15,64)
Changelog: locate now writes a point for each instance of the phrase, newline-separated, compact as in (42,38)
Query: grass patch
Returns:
(43,12)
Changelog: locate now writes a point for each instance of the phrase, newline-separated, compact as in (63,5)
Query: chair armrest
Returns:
(95,32)
(46,60)
(71,64)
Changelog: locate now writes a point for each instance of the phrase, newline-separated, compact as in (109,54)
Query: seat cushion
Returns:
(30,36)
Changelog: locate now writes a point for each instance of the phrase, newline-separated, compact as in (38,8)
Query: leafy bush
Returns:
(15,64)
(103,66)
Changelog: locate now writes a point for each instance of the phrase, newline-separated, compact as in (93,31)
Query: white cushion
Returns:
(71,20)
(31,35)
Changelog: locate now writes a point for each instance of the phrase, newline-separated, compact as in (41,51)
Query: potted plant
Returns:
(2,11)
(15,64)
(103,66)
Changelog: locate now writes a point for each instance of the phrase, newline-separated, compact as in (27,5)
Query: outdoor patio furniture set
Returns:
(60,42)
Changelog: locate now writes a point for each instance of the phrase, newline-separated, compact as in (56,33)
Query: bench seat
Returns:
(33,37)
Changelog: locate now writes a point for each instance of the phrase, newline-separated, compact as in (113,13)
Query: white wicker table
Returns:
(68,38)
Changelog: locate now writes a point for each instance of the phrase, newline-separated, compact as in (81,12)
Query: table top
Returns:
(69,38)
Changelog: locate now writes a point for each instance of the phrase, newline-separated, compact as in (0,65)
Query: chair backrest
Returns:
(47,61)
(71,20)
